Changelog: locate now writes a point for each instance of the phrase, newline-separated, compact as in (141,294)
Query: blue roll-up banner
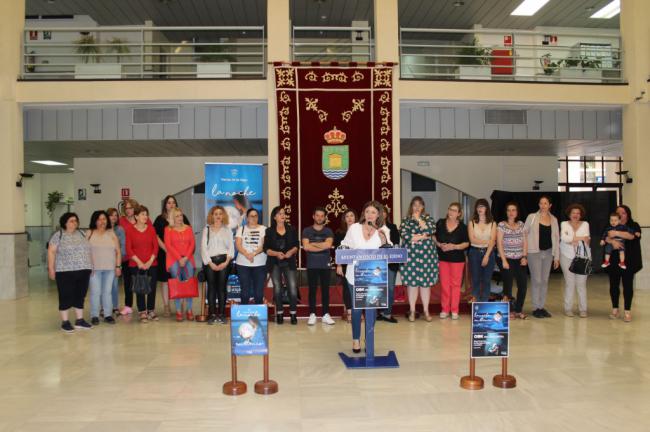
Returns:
(237,188)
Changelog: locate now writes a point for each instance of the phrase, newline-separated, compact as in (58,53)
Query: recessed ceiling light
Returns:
(323,17)
(49,163)
(71,169)
(608,11)
(459,3)
(529,7)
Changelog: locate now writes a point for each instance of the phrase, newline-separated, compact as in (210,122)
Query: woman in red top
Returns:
(179,242)
(142,249)
(126,221)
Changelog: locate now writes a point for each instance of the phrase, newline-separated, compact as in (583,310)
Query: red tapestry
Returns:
(334,138)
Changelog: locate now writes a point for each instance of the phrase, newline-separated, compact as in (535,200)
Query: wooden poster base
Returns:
(471,381)
(266,386)
(234,387)
(503,380)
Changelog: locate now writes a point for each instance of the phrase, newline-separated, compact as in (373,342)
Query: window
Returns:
(587,173)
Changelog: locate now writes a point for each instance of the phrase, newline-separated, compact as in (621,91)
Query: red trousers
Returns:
(451,278)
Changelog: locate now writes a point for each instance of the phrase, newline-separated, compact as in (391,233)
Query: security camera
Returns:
(21,176)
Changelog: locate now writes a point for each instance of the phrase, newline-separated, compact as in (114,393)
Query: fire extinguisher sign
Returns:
(126,193)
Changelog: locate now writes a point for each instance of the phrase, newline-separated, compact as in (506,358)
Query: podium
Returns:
(356,256)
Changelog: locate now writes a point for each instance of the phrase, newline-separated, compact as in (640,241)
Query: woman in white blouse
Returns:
(217,250)
(574,234)
(364,234)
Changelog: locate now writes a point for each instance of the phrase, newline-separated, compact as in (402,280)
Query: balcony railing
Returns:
(511,55)
(144,52)
(327,44)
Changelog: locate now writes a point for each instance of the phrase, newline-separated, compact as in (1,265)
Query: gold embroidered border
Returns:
(357,76)
(385,169)
(284,121)
(286,164)
(383,78)
(384,145)
(385,120)
(285,77)
(311,76)
(335,205)
(340,77)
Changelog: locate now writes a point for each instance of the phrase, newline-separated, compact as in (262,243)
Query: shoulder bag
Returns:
(581,263)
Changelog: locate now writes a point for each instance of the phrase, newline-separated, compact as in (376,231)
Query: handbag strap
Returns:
(585,250)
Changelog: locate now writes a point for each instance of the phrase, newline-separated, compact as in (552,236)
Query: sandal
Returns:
(522,316)
(427,317)
(143,318)
(152,316)
(614,314)
(411,316)
(627,316)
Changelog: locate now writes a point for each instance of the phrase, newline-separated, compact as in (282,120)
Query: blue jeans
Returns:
(356,316)
(392,276)
(184,273)
(252,281)
(481,276)
(101,287)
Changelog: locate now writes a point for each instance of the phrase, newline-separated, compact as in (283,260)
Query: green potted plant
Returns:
(87,47)
(212,62)
(475,61)
(581,68)
(118,46)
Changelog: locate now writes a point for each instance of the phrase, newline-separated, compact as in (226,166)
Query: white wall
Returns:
(478,176)
(36,190)
(149,179)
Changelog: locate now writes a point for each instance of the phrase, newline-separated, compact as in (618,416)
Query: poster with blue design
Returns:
(249,330)
(237,188)
(370,284)
(490,329)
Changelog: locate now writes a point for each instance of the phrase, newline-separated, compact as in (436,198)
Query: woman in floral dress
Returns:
(420,272)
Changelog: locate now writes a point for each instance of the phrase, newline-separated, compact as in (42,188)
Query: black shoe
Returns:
(81,324)
(94,321)
(537,313)
(545,313)
(222,320)
(279,318)
(109,320)
(294,319)
(380,317)
(390,319)
(212,319)
(67,327)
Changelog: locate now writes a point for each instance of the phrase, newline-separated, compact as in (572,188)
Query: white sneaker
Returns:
(443,315)
(312,319)
(454,316)
(327,319)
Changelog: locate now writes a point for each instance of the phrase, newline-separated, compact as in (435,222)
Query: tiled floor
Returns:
(573,375)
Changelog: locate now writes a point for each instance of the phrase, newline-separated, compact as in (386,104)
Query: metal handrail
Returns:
(142,58)
(581,62)
(331,49)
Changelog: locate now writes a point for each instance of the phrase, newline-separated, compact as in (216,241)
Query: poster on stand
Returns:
(490,329)
(370,284)
(249,330)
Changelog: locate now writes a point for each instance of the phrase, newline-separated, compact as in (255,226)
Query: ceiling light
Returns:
(529,7)
(49,163)
(323,17)
(459,3)
(608,11)
(71,169)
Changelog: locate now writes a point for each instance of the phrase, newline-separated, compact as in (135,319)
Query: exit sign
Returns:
(126,193)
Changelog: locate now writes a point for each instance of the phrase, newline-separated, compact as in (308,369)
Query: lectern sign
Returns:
(370,284)
(490,329)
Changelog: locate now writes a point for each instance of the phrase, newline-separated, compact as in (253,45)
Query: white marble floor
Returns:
(573,375)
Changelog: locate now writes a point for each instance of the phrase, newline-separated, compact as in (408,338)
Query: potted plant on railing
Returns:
(549,66)
(213,62)
(581,68)
(118,46)
(475,61)
(53,200)
(92,68)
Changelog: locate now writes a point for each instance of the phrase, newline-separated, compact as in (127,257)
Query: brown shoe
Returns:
(627,316)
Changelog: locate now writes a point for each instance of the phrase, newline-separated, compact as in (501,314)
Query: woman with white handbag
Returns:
(574,246)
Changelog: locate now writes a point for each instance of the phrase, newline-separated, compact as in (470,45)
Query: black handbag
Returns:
(216,260)
(141,282)
(581,263)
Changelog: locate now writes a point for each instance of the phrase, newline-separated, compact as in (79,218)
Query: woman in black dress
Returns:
(160,224)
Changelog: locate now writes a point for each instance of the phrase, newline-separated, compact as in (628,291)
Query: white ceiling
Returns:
(412,13)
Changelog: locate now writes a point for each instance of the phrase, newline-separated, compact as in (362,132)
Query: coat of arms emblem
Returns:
(336,157)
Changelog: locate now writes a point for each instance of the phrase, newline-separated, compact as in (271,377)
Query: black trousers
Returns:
(217,284)
(128,291)
(347,297)
(516,272)
(146,302)
(72,287)
(313,277)
(616,275)
(290,277)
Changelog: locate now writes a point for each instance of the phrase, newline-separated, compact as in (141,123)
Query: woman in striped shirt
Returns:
(513,247)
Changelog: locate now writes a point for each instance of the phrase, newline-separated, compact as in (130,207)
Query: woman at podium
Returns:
(365,234)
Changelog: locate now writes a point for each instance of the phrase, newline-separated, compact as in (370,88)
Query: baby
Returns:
(614,225)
